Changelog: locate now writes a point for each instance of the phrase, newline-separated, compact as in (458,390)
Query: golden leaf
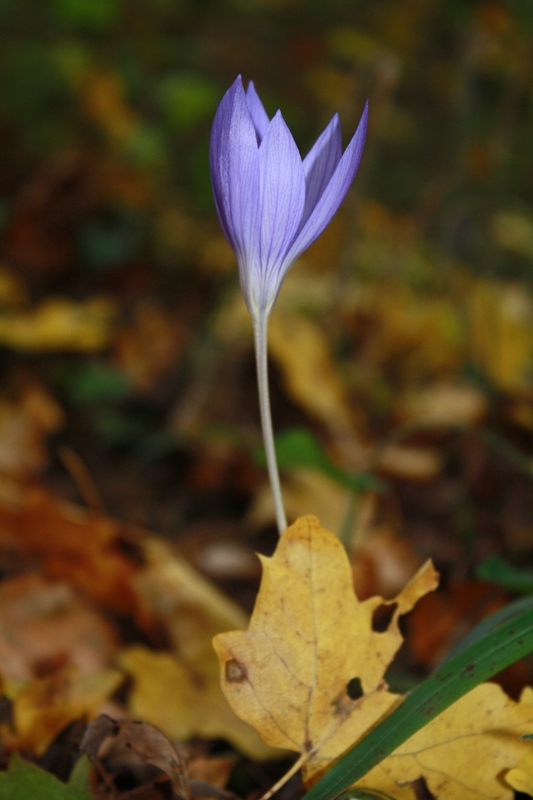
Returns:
(60,324)
(184,700)
(521,777)
(462,753)
(295,674)
(44,706)
(180,691)
(308,674)
(301,350)
(502,342)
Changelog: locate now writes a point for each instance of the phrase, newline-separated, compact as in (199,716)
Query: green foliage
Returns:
(498,571)
(95,383)
(25,781)
(96,16)
(186,100)
(297,447)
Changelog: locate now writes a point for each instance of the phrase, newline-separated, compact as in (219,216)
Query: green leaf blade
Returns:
(26,781)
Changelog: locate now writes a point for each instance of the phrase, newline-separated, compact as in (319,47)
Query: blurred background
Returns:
(401,344)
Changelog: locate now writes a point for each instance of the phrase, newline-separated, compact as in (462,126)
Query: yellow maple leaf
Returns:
(463,753)
(521,776)
(308,674)
(312,648)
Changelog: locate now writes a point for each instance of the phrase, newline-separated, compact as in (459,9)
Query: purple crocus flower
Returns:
(272,204)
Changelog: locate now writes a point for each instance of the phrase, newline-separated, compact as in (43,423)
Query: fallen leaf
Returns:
(60,324)
(103,101)
(45,623)
(126,570)
(44,706)
(67,543)
(148,349)
(301,349)
(408,462)
(462,753)
(308,673)
(521,776)
(118,745)
(305,490)
(180,691)
(190,607)
(185,700)
(502,341)
(25,424)
(443,404)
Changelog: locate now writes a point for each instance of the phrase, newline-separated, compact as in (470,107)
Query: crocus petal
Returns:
(257,110)
(320,164)
(271,205)
(332,196)
(282,188)
(234,164)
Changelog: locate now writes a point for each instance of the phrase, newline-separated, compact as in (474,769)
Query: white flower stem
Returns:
(260,322)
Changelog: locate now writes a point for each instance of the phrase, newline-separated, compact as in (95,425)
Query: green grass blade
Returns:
(476,663)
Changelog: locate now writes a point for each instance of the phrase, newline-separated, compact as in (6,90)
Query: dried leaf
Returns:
(463,753)
(185,700)
(308,673)
(302,351)
(43,707)
(502,341)
(443,404)
(147,350)
(45,624)
(116,745)
(25,424)
(409,462)
(60,324)
(67,542)
(180,691)
(521,777)
(305,490)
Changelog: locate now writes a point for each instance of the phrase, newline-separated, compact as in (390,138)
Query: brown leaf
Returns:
(44,624)
(115,746)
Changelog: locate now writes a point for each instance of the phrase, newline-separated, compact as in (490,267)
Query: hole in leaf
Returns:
(421,791)
(354,690)
(382,617)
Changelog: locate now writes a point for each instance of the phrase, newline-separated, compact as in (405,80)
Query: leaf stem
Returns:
(260,323)
(288,775)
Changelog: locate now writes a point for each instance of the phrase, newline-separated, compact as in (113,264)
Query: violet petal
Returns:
(320,164)
(282,187)
(257,110)
(332,196)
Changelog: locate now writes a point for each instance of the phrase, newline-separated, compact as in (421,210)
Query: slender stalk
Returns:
(260,322)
